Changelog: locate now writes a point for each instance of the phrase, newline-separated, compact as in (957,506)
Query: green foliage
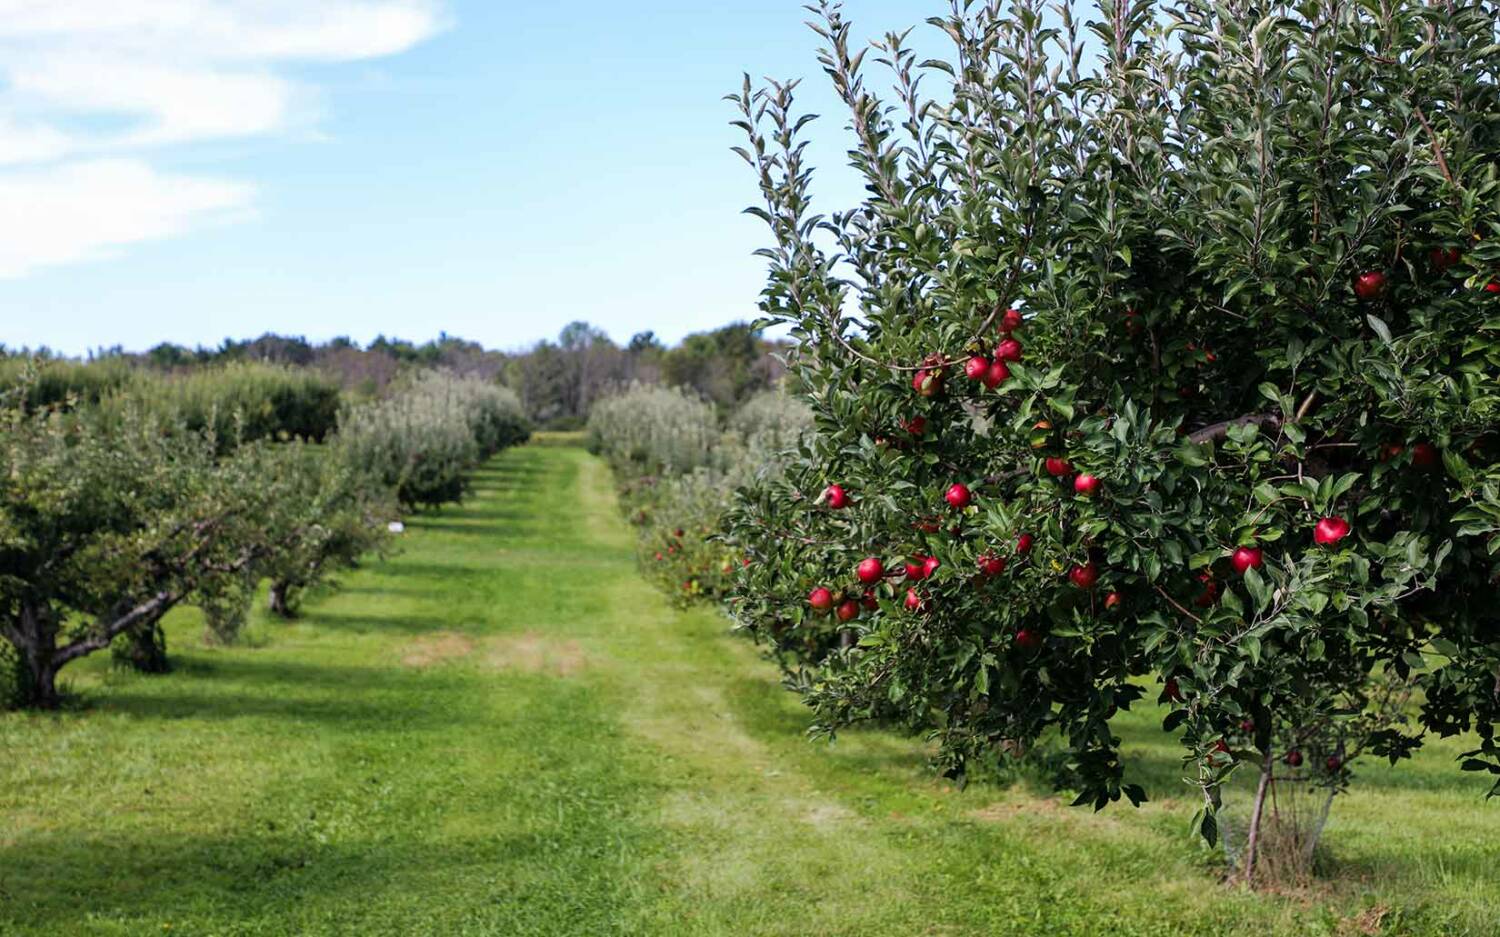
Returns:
(1184,232)
(423,441)
(678,474)
(648,429)
(53,382)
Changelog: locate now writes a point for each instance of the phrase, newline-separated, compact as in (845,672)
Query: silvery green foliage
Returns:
(650,429)
(423,441)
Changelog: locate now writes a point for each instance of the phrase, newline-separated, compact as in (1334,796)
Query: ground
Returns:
(501,729)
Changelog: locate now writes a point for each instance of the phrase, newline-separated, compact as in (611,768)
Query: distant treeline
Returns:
(557,381)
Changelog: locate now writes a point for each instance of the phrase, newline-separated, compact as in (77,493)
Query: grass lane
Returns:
(503,730)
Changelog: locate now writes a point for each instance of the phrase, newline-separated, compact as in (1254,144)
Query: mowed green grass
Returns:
(503,730)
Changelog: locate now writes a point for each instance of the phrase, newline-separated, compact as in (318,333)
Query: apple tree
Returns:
(1160,358)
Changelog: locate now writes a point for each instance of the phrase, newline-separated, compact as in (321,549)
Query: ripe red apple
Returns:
(1028,640)
(929,566)
(1369,285)
(976,368)
(835,497)
(917,425)
(1010,321)
(680,532)
(1172,690)
(1086,484)
(869,601)
(1293,758)
(1221,746)
(820,599)
(916,569)
(1247,558)
(1425,455)
(1008,350)
(1085,576)
(1057,466)
(1113,600)
(848,610)
(913,601)
(1442,258)
(997,374)
(1330,530)
(659,557)
(1390,450)
(1210,593)
(958,497)
(928,382)
(1023,545)
(1334,763)
(1492,287)
(870,571)
(991,565)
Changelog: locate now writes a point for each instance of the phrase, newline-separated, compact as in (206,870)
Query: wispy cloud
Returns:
(92,90)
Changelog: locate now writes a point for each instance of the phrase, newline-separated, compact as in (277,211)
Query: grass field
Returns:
(503,730)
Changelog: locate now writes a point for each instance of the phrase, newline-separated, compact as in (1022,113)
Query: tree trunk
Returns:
(35,638)
(1257,812)
(279,602)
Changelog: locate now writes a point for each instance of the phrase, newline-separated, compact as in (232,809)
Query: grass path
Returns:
(503,730)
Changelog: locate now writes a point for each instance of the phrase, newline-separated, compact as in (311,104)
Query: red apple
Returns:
(1008,350)
(870,571)
(1113,600)
(928,382)
(1247,558)
(929,566)
(1085,576)
(1369,285)
(916,569)
(1023,545)
(913,601)
(1492,287)
(1425,455)
(1086,484)
(1010,321)
(1221,746)
(997,374)
(1330,530)
(1293,758)
(820,599)
(1028,640)
(1334,763)
(991,565)
(958,497)
(1057,466)
(869,601)
(1442,258)
(848,611)
(1133,324)
(1210,593)
(917,425)
(1172,690)
(1390,450)
(836,497)
(1247,726)
(976,368)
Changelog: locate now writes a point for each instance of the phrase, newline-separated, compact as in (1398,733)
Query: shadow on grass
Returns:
(282,879)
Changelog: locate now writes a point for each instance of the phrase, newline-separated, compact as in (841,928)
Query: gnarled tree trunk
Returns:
(279,602)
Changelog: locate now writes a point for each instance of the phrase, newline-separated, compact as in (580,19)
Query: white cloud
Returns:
(86,209)
(90,90)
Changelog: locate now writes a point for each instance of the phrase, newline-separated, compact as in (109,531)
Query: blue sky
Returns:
(490,169)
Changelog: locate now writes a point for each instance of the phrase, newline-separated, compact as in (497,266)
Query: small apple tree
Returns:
(1168,357)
